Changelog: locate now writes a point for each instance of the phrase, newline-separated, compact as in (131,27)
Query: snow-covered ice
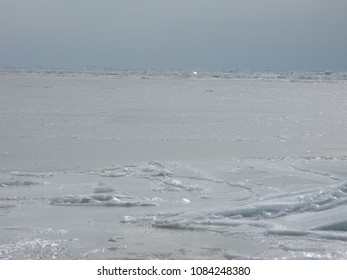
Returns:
(134,164)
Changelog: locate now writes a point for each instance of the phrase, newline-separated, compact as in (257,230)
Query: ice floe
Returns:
(10,181)
(102,200)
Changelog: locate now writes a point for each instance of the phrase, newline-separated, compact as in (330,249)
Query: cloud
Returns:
(173,34)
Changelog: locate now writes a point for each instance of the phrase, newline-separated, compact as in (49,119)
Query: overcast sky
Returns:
(176,34)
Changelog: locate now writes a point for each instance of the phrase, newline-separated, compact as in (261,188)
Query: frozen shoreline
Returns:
(226,168)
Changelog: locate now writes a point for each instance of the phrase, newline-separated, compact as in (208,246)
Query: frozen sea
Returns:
(102,163)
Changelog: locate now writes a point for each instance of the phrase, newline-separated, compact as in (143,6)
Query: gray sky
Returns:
(231,34)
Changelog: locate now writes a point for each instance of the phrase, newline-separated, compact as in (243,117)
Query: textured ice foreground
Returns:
(99,164)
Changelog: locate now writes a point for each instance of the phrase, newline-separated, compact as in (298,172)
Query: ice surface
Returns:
(233,165)
(318,208)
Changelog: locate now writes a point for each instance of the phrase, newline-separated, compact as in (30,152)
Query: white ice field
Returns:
(131,164)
